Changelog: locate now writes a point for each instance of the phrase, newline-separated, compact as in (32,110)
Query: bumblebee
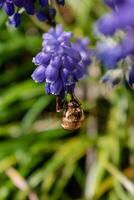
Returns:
(73,115)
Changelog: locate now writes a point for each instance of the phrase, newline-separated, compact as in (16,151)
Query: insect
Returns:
(73,115)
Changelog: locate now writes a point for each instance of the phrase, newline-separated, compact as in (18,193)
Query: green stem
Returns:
(42,26)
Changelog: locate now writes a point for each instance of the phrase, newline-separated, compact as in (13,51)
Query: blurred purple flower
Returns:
(109,53)
(15,20)
(40,8)
(114,3)
(60,2)
(120,18)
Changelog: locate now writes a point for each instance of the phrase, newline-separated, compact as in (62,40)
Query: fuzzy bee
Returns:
(73,115)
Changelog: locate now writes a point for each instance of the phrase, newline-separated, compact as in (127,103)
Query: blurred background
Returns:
(38,159)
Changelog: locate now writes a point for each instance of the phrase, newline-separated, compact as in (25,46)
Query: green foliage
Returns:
(40,160)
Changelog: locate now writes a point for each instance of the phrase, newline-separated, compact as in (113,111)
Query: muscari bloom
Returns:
(117,26)
(41,8)
(61,63)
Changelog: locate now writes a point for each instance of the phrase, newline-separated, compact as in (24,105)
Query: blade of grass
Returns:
(35,110)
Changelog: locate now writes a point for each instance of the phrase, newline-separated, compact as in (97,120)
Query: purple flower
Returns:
(121,17)
(119,22)
(40,8)
(109,53)
(60,2)
(127,44)
(108,24)
(9,8)
(15,20)
(39,74)
(43,3)
(114,3)
(61,63)
(82,46)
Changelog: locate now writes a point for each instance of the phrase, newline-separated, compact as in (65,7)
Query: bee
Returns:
(73,115)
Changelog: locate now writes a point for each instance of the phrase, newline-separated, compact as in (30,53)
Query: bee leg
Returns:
(60,101)
(59,104)
(74,98)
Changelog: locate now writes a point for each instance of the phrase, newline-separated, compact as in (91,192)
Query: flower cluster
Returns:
(117,46)
(61,63)
(41,8)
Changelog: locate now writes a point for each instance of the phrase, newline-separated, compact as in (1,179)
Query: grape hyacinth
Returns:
(116,30)
(61,63)
(41,8)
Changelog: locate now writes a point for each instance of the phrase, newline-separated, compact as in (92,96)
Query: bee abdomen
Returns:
(72,119)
